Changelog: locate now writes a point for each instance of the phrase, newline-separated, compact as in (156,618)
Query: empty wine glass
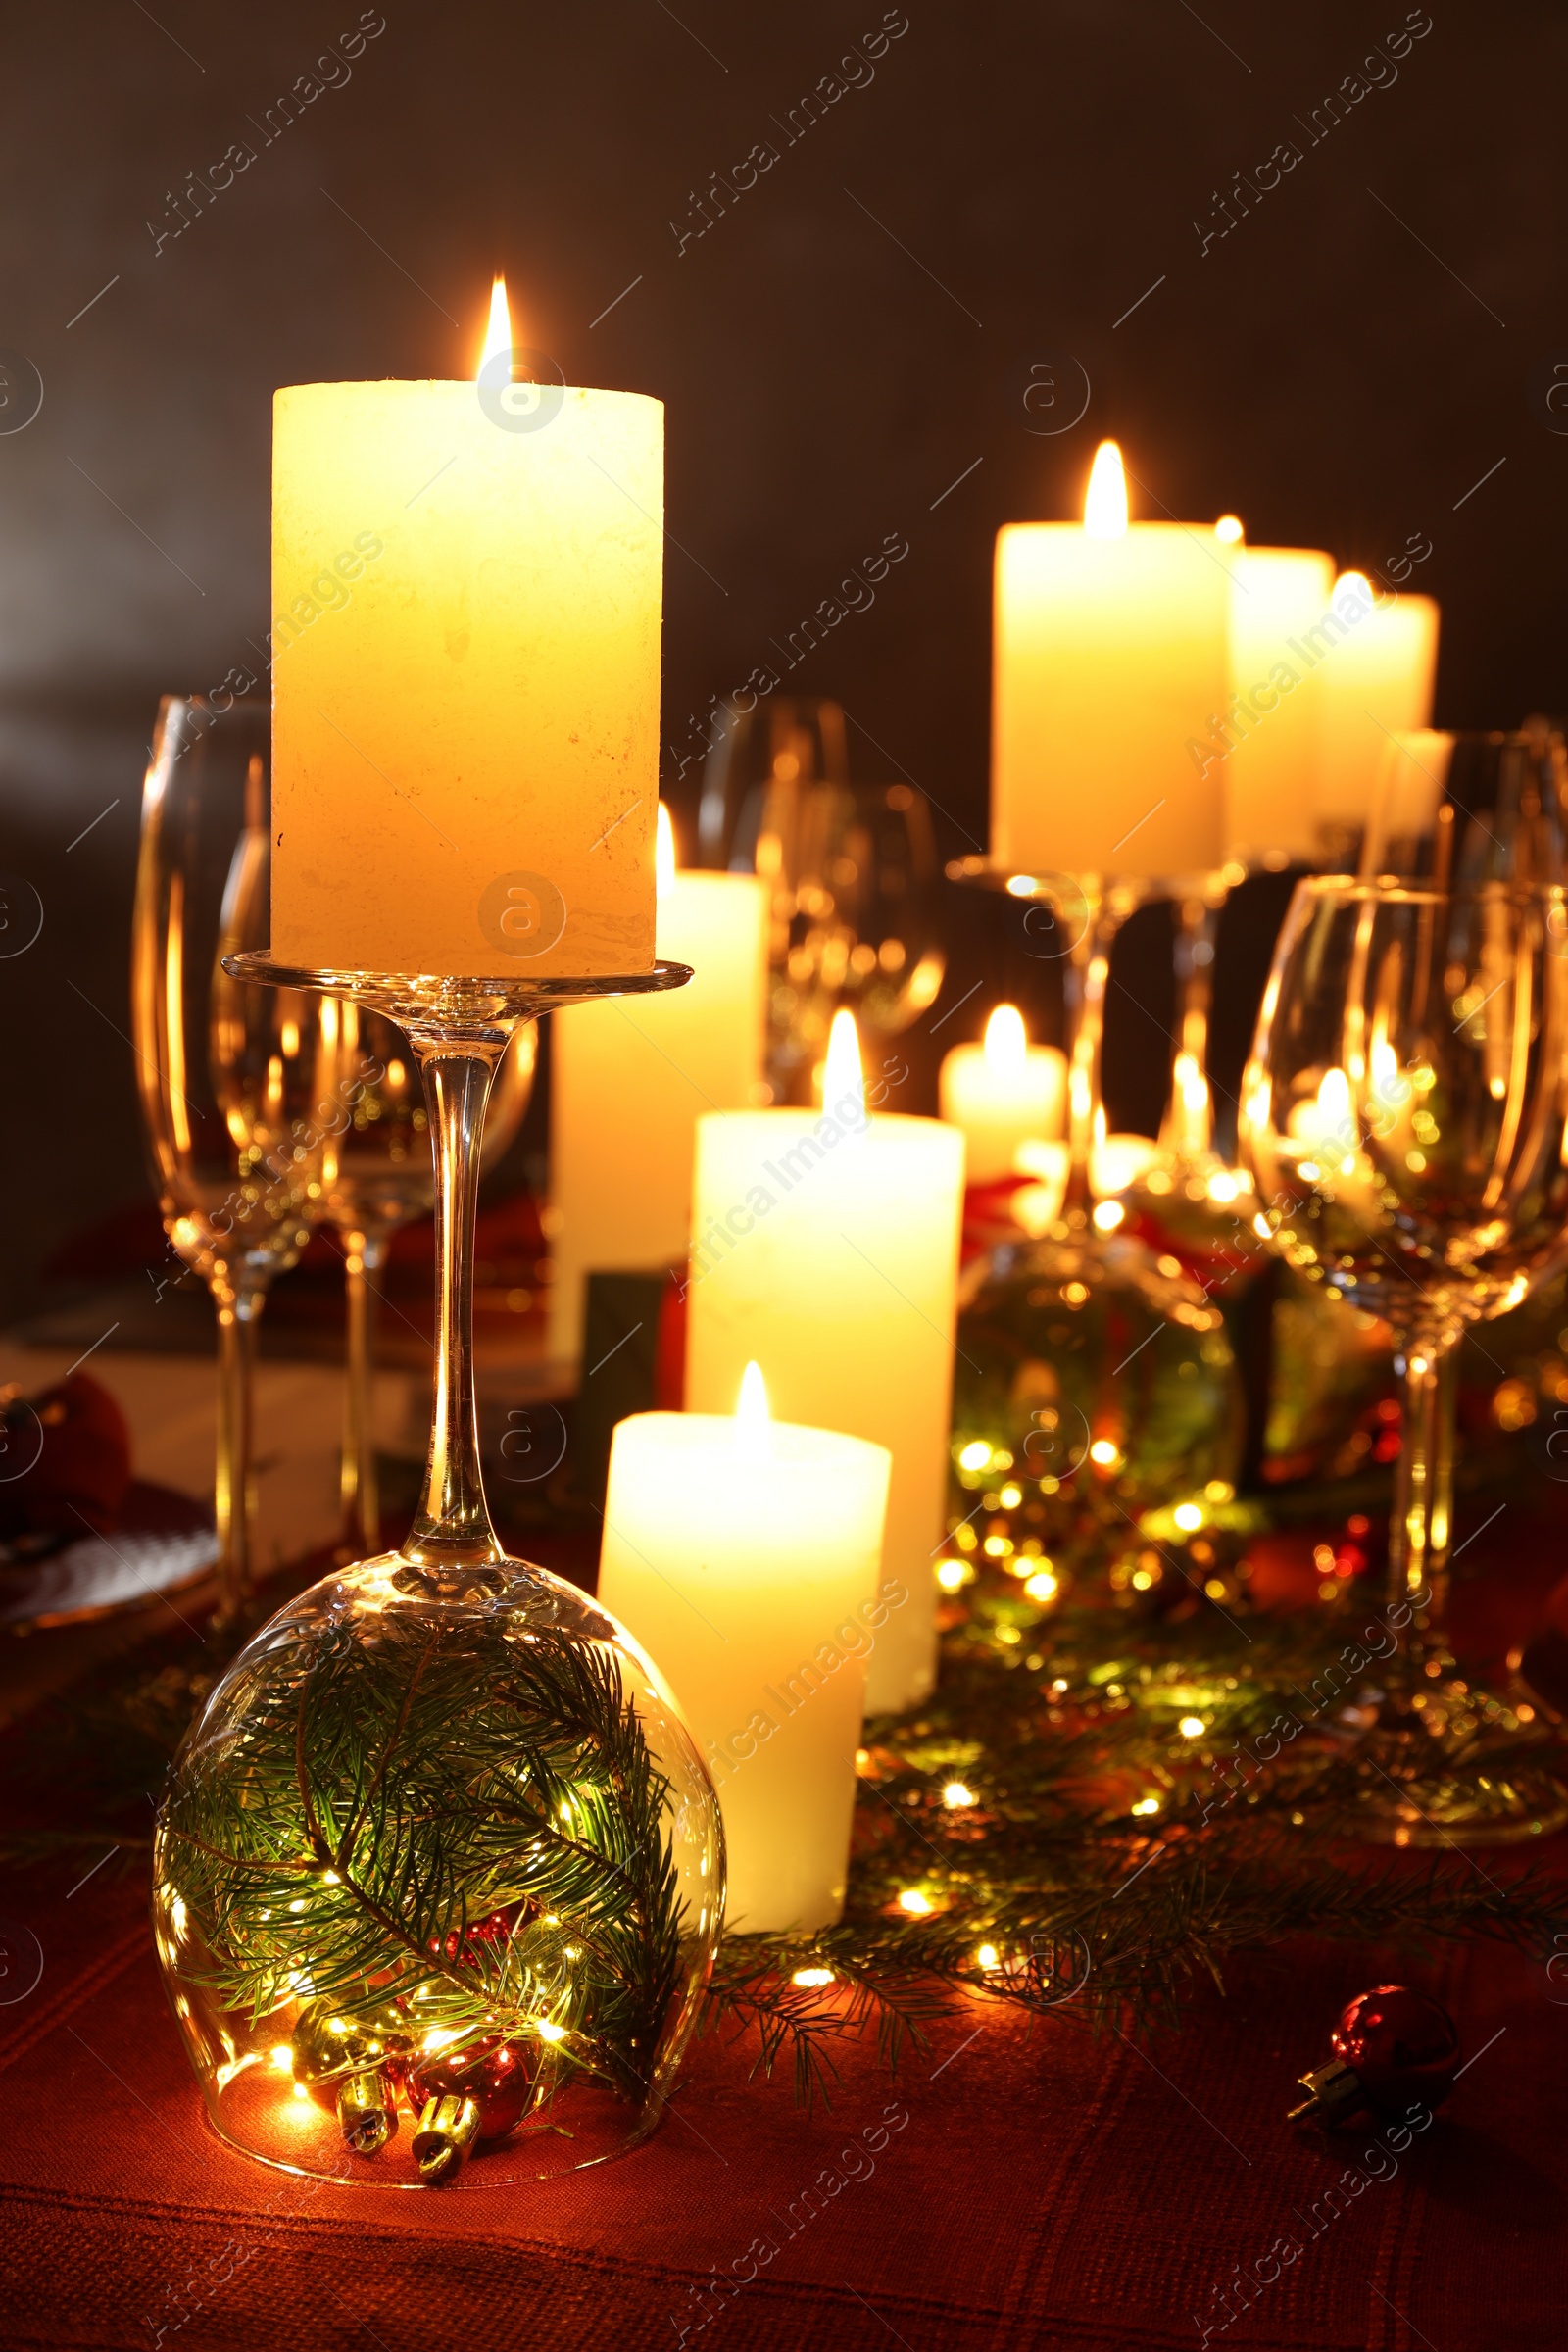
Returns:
(1404,1114)
(233,1080)
(379,1173)
(1452,811)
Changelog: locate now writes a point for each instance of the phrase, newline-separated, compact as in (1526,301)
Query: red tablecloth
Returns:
(1030,2189)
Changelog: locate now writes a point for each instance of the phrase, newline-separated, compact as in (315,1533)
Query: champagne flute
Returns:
(1405,1112)
(232,1078)
(379,1173)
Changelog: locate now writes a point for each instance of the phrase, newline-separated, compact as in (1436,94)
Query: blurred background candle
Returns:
(742,1553)
(827,1249)
(1110,654)
(631,1076)
(1272,720)
(466,638)
(1001,1093)
(1378,669)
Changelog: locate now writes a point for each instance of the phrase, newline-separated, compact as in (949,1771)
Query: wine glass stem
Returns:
(234,1500)
(364,1256)
(1190,1117)
(452,1525)
(1422,1528)
(1088,974)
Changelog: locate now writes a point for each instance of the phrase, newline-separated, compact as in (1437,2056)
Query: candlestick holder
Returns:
(439,1851)
(1092,1375)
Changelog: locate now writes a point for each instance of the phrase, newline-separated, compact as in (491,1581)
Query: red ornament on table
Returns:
(1393,2049)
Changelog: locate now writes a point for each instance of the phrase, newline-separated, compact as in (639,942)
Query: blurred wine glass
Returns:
(233,1079)
(1456,810)
(851,871)
(378,1174)
(1404,1114)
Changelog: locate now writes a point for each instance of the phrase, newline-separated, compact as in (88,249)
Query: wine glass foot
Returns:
(1461,1767)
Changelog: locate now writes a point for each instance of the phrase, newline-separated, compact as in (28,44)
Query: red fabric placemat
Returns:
(1030,2189)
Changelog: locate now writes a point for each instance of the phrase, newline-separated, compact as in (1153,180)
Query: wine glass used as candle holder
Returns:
(1092,1375)
(439,1871)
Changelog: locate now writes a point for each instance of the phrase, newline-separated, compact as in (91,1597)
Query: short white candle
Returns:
(744,1555)
(630,1078)
(1003,1092)
(827,1247)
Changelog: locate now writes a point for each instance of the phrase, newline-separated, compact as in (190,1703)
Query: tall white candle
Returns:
(827,1249)
(1111,658)
(744,1554)
(631,1076)
(1269,741)
(1003,1091)
(1378,669)
(466,583)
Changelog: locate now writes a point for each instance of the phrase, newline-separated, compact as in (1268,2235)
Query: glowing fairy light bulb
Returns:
(1105,499)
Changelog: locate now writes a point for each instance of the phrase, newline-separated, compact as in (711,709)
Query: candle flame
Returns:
(1106,500)
(664,851)
(1356,580)
(1228,530)
(497,333)
(842,1077)
(753,1421)
(1006,1041)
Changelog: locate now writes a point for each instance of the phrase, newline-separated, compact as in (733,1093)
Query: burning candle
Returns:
(631,1076)
(1110,657)
(742,1553)
(1379,666)
(827,1249)
(467,583)
(1003,1092)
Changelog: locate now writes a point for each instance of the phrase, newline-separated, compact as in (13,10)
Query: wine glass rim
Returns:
(1394,889)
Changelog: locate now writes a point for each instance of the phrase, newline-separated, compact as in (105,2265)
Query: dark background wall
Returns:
(844,344)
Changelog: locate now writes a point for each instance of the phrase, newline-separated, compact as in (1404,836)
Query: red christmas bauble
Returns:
(498,2075)
(1400,2045)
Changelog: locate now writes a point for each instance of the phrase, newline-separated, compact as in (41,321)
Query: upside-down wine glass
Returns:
(378,1175)
(233,1080)
(1403,1112)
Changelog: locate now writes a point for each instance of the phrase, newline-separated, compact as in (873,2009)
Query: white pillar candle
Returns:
(744,1555)
(631,1076)
(1268,739)
(826,1246)
(466,583)
(1110,655)
(1379,667)
(1003,1092)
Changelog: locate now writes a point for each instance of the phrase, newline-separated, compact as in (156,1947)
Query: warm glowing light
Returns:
(283,2058)
(987,1958)
(753,1421)
(976,1455)
(300,2091)
(1192,1726)
(1228,530)
(1021,886)
(954,1575)
(1103,1452)
(548,2031)
(1356,580)
(915,1902)
(664,851)
(842,1074)
(1105,499)
(1107,1215)
(955,1796)
(1188,1517)
(1007,1042)
(1042,1587)
(810,1977)
(1147,1804)
(498,330)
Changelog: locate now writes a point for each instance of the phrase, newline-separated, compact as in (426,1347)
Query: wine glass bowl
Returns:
(1405,1115)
